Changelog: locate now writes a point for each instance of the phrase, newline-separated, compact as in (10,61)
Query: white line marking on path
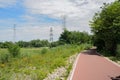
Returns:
(110,60)
(76,61)
(74,66)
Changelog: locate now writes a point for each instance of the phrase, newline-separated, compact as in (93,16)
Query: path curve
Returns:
(91,66)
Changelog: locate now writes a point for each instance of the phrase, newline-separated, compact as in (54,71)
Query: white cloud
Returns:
(57,8)
(78,14)
(7,3)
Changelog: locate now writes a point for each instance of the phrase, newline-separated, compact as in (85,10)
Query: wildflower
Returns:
(2,65)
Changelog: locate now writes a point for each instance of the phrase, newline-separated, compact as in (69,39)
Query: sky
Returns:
(33,19)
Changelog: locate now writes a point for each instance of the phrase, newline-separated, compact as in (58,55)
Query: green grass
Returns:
(36,63)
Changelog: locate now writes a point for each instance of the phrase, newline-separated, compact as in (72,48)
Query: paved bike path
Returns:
(91,66)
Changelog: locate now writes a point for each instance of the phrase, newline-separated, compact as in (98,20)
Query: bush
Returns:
(118,51)
(4,57)
(44,50)
(14,50)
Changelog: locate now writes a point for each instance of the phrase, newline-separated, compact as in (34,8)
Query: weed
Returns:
(34,64)
(44,50)
(14,50)
(4,57)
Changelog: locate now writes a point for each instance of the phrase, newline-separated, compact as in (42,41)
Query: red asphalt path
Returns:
(91,66)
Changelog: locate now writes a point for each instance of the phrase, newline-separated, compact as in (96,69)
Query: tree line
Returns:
(25,44)
(66,37)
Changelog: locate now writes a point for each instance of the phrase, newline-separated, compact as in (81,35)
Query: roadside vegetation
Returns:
(117,57)
(105,26)
(36,63)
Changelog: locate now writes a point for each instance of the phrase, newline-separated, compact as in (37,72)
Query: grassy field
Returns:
(36,63)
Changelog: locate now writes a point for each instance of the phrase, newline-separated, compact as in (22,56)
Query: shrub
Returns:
(14,50)
(4,57)
(118,51)
(44,50)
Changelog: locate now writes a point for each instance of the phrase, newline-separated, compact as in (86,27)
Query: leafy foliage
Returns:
(44,50)
(14,50)
(34,43)
(118,51)
(5,44)
(106,27)
(24,44)
(4,57)
(39,43)
(74,37)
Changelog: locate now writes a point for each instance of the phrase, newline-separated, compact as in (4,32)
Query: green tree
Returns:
(74,37)
(23,44)
(106,27)
(5,44)
(45,43)
(39,43)
(64,37)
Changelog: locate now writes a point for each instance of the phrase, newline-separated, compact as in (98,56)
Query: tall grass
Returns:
(35,64)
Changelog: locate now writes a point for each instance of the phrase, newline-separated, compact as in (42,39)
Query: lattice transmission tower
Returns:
(64,22)
(51,34)
(14,33)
